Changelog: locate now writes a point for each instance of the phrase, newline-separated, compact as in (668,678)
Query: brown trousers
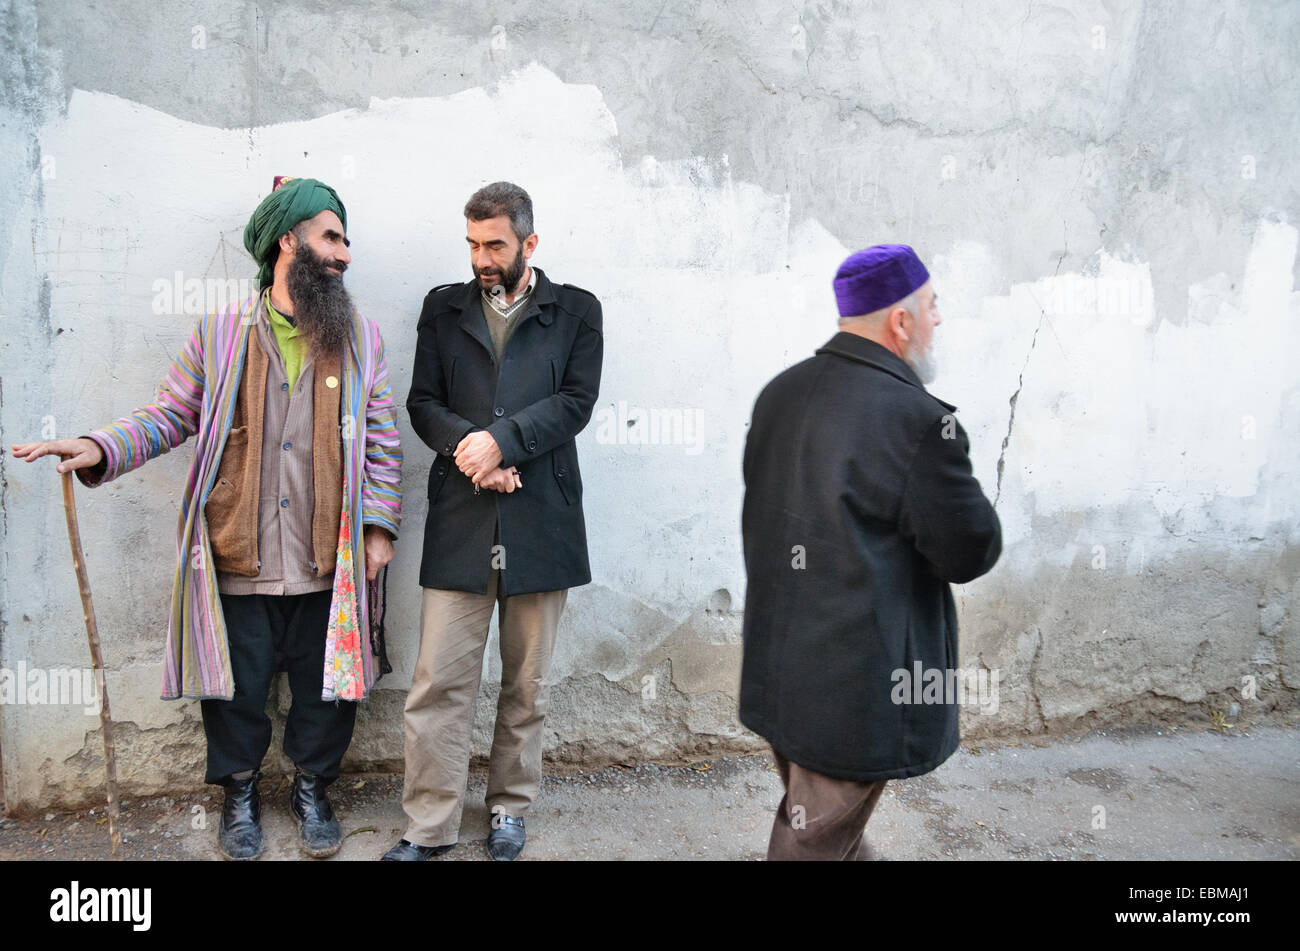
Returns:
(820,818)
(440,706)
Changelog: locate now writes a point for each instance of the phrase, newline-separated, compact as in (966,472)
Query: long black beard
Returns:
(322,307)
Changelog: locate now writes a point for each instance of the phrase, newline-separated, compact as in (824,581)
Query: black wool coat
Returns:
(534,403)
(860,508)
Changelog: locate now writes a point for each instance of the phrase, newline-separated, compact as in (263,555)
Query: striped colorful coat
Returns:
(198,397)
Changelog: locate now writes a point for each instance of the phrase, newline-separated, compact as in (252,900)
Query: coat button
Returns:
(288,445)
(532,444)
(499,411)
(562,472)
(284,386)
(284,503)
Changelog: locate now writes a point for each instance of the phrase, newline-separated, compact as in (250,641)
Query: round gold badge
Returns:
(331,381)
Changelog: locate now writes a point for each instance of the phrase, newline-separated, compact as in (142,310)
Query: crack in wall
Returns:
(1020,385)
(767,87)
(1033,681)
(1011,419)
(1047,133)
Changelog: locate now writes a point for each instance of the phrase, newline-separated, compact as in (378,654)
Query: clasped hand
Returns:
(479,457)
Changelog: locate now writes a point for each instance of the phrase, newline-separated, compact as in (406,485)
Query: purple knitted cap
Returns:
(877,277)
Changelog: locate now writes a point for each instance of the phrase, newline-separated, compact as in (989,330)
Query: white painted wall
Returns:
(1158,426)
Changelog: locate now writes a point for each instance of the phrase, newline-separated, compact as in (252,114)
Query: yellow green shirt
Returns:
(291,344)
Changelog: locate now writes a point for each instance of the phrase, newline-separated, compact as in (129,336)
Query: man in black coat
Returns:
(860,509)
(507,370)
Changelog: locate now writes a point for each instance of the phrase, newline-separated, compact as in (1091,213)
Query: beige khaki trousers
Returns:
(440,706)
(820,818)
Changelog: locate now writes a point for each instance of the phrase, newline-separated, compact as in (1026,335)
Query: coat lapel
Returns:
(471,317)
(543,295)
(473,322)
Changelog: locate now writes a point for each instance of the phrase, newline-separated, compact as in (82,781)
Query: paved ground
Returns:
(1133,794)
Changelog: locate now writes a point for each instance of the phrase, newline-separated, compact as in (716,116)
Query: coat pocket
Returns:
(564,461)
(231,510)
(437,476)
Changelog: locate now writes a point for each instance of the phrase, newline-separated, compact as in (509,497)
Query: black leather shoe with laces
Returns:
(405,851)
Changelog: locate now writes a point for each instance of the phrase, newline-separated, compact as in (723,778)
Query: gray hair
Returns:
(908,304)
(503,198)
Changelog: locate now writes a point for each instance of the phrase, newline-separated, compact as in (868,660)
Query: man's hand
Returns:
(379,550)
(502,480)
(76,453)
(477,455)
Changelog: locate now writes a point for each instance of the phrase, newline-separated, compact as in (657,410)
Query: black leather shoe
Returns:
(240,836)
(405,851)
(319,831)
(506,840)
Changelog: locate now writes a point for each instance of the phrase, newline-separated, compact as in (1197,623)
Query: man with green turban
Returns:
(292,505)
(291,200)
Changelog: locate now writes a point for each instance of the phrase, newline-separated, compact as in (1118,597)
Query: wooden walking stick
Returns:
(96,661)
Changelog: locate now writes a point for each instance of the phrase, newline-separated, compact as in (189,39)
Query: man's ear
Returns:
(288,242)
(898,324)
(530,245)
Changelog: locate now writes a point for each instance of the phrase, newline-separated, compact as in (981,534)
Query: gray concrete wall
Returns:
(1105,193)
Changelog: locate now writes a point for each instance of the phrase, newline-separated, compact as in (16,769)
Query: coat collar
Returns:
(471,311)
(861,350)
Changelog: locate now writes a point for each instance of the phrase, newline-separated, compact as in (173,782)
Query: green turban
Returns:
(291,201)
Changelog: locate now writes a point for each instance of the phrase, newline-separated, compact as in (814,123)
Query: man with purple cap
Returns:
(860,510)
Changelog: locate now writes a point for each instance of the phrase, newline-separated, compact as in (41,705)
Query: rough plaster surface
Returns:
(1102,191)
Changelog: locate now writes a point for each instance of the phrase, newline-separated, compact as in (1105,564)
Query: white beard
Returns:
(924,364)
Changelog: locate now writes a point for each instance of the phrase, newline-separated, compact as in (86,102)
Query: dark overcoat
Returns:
(534,402)
(860,508)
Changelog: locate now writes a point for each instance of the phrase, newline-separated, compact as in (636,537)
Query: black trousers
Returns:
(268,633)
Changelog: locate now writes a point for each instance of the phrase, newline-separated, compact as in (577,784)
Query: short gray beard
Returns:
(322,307)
